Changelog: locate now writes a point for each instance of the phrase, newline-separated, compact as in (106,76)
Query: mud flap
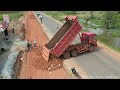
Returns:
(45,53)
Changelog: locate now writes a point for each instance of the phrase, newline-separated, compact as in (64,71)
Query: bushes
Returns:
(69,12)
(14,16)
(115,34)
(1,17)
(56,14)
(108,41)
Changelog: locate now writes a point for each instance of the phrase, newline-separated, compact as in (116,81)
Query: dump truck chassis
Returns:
(76,49)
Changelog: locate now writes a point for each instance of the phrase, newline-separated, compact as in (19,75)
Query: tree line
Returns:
(110,19)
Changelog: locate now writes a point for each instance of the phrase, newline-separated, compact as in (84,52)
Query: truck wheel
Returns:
(92,48)
(74,53)
(66,55)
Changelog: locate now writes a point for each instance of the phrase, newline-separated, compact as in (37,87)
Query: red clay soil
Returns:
(34,66)
(40,63)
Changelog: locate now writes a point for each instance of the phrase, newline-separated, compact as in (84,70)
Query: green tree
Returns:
(110,19)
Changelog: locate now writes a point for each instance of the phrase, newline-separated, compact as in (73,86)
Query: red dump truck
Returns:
(61,42)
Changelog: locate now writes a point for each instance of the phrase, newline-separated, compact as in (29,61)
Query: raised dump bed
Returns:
(62,39)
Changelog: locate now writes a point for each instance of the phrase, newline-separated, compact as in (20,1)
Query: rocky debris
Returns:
(49,69)
(50,72)
(40,63)
(21,59)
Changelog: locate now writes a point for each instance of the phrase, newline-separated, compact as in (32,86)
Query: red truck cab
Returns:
(90,37)
(88,43)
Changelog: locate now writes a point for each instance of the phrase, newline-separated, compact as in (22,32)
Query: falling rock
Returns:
(49,69)
(59,65)
(51,64)
(50,72)
(21,59)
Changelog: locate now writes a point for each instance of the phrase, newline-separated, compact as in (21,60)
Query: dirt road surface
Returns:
(30,66)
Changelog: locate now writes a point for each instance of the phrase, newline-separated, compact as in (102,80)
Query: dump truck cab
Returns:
(88,42)
(89,38)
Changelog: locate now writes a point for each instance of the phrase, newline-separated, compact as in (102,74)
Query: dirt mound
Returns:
(41,63)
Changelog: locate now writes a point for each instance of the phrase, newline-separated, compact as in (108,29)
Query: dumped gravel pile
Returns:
(41,63)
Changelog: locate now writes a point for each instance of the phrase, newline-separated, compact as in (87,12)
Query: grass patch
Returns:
(12,16)
(84,30)
(96,21)
(56,14)
(110,46)
(115,33)
(106,41)
(1,17)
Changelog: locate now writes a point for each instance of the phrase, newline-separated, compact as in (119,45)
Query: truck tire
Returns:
(66,55)
(74,53)
(92,48)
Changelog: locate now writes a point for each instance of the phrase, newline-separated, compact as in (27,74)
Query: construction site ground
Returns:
(33,65)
